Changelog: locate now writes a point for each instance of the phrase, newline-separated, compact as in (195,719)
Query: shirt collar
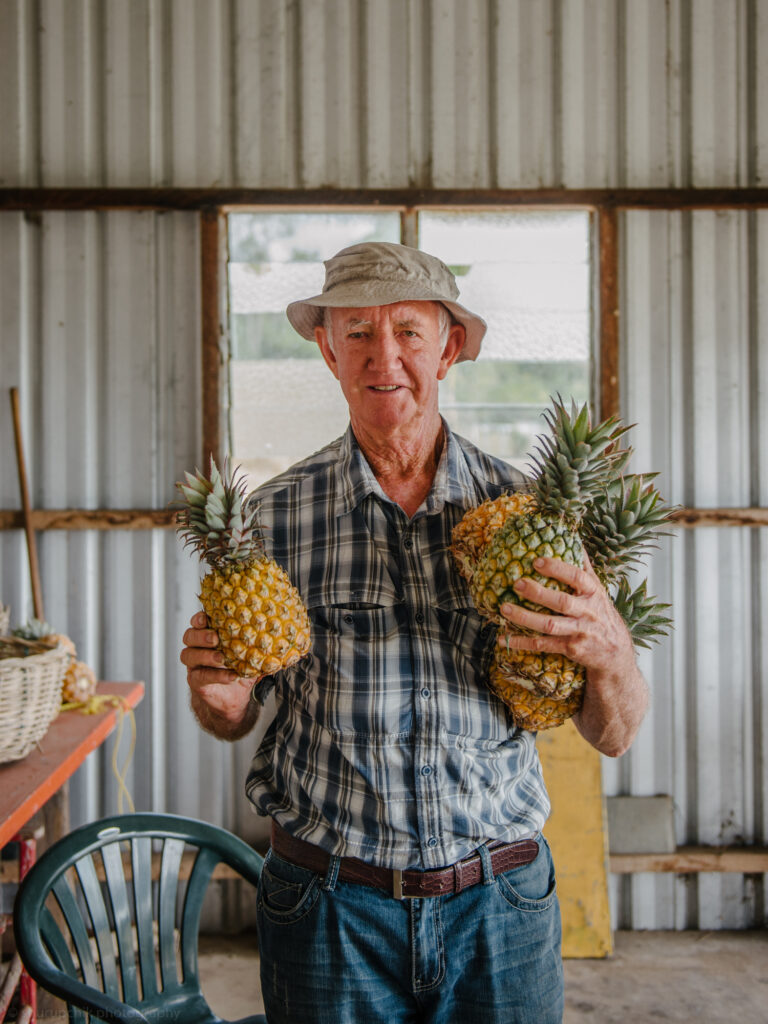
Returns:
(356,480)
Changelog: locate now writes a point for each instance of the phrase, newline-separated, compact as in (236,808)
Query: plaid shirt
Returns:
(387,743)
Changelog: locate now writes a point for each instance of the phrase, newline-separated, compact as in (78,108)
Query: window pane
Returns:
(527,273)
(285,404)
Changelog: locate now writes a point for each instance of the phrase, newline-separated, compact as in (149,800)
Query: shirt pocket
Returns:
(358,639)
(354,615)
(472,636)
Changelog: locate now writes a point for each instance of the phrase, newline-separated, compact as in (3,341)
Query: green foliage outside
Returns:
(499,381)
(268,336)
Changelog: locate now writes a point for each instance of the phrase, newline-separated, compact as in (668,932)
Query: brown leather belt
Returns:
(405,884)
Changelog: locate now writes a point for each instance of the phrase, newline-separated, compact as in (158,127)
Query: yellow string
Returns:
(94,705)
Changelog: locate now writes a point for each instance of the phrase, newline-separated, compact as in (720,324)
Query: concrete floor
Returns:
(686,977)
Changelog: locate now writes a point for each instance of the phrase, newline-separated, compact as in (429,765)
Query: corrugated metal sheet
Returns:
(388,93)
(695,378)
(99,318)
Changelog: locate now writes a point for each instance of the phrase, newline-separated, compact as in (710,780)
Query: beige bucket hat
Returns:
(380,273)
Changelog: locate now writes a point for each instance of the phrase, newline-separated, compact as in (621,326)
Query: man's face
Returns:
(388,360)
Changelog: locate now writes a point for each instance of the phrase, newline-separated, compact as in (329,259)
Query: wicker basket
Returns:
(30,693)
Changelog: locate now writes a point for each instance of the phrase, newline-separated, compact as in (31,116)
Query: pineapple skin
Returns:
(474,531)
(510,554)
(551,675)
(79,683)
(261,621)
(531,710)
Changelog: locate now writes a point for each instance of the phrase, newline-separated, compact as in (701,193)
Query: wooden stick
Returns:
(34,570)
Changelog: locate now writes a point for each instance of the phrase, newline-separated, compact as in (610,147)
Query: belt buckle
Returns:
(397,886)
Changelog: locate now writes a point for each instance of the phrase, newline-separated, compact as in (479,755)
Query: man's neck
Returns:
(405,469)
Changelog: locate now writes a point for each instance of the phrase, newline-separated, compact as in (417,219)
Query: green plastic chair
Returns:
(106,943)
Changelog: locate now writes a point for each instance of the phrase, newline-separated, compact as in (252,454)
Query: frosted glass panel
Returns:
(285,403)
(527,273)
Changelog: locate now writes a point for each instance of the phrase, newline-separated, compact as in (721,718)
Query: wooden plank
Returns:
(232,198)
(720,517)
(91,519)
(608,244)
(27,784)
(165,518)
(694,859)
(577,833)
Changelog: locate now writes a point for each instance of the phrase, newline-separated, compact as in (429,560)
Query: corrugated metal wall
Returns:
(99,318)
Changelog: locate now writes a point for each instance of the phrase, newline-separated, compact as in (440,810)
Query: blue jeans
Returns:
(336,952)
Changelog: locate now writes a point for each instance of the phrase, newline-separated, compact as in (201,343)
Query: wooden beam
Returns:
(232,198)
(164,518)
(747,860)
(685,860)
(720,517)
(91,519)
(608,246)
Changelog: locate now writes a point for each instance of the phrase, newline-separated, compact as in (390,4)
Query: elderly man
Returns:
(408,879)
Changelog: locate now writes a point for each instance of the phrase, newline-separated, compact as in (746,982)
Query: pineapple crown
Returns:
(214,517)
(576,460)
(33,629)
(622,522)
(644,616)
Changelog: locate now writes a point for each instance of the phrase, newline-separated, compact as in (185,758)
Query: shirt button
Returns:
(425,693)
(419,616)
(426,769)
(432,841)
(348,619)
(408,543)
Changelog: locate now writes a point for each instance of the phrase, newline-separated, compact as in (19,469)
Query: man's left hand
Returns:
(583,624)
(586,626)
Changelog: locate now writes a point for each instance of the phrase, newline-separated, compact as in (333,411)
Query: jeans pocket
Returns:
(286,892)
(530,887)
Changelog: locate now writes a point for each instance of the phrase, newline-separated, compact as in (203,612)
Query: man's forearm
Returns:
(612,711)
(222,726)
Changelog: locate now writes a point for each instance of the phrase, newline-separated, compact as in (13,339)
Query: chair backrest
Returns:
(96,918)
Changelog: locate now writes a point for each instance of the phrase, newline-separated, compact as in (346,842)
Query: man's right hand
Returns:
(220,698)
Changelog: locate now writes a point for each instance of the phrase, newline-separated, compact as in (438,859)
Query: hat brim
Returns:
(307,314)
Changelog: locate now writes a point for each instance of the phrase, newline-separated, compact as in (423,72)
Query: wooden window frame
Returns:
(213,206)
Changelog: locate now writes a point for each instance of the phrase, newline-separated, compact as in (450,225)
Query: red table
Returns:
(27,785)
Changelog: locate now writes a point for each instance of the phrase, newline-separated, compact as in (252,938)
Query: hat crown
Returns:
(386,262)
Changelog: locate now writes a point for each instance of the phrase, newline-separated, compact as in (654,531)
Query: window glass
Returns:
(285,403)
(527,273)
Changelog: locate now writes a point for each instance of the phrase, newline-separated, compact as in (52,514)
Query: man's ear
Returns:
(456,337)
(321,337)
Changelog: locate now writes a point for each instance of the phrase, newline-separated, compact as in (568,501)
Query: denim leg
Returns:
(349,954)
(502,951)
(335,956)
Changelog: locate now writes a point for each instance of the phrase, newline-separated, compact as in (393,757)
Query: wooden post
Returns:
(34,570)
(210,293)
(608,234)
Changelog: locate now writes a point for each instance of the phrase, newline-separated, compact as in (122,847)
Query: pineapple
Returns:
(571,466)
(579,502)
(471,535)
(79,683)
(258,614)
(38,629)
(531,710)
